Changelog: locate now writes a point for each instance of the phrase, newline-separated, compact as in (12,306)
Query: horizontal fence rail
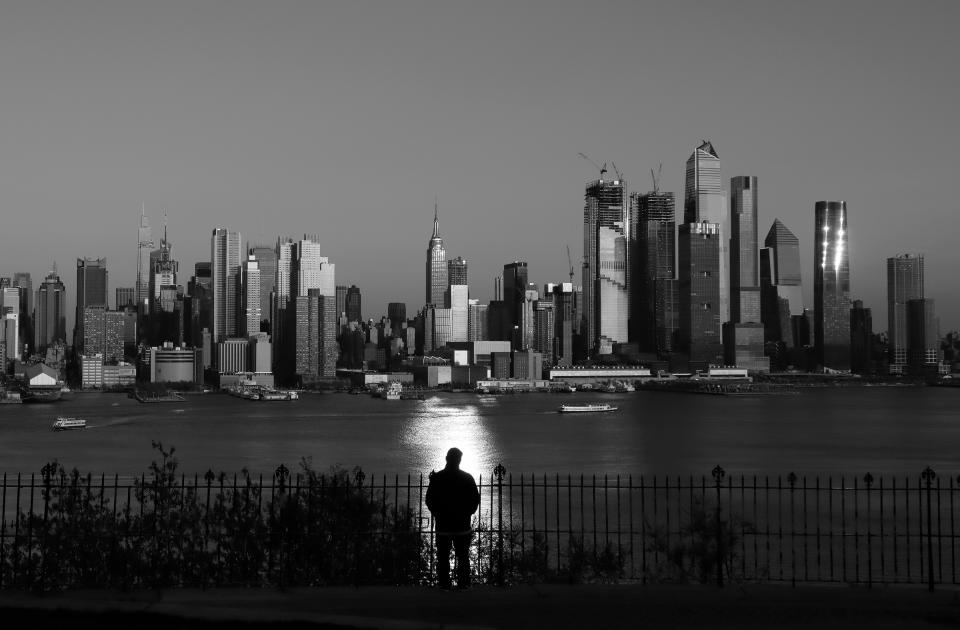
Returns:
(62,529)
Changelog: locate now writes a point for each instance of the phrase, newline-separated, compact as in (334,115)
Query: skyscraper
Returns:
(200,315)
(781,290)
(514,293)
(457,271)
(702,243)
(698,323)
(103,332)
(831,286)
(162,293)
(397,313)
(266,258)
(544,325)
(904,283)
(312,306)
(341,296)
(745,330)
(51,318)
(456,276)
(861,339)
(705,202)
(249,304)
(923,338)
(126,296)
(458,295)
(477,320)
(144,246)
(91,291)
(436,266)
(10,316)
(224,267)
(564,323)
(606,226)
(744,254)
(653,309)
(353,306)
(22,280)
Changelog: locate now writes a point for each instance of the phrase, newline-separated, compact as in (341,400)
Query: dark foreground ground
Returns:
(539,606)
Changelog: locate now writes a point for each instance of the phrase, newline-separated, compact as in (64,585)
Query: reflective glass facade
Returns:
(831,286)
(904,283)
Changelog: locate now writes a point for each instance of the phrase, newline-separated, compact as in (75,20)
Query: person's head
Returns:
(454,455)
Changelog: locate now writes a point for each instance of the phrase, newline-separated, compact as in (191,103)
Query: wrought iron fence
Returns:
(63,529)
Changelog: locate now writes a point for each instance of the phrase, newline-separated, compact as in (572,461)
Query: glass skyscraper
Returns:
(224,269)
(144,245)
(781,295)
(831,286)
(744,347)
(904,283)
(51,322)
(91,291)
(266,258)
(457,271)
(704,279)
(744,255)
(699,322)
(705,202)
(653,308)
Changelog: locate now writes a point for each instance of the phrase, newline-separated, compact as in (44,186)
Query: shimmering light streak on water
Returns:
(442,424)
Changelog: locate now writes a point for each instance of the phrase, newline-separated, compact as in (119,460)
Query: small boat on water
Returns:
(63,423)
(590,408)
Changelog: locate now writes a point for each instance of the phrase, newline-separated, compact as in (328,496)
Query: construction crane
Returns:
(602,169)
(656,178)
(617,171)
(570,260)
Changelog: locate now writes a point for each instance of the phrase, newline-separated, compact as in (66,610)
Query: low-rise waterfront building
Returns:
(173,364)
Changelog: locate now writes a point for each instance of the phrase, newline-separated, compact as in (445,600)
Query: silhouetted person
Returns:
(452,498)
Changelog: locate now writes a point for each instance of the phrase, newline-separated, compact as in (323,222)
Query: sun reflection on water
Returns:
(442,424)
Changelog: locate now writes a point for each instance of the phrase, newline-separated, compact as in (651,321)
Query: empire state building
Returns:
(436,266)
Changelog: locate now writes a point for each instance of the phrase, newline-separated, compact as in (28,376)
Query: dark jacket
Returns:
(452,497)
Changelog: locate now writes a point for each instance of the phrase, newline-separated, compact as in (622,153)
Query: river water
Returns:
(825,431)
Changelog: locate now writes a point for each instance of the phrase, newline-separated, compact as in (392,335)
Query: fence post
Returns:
(47,471)
(868,481)
(499,473)
(718,474)
(280,478)
(792,480)
(928,476)
(358,477)
(209,478)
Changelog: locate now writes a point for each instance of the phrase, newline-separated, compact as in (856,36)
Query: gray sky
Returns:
(346,119)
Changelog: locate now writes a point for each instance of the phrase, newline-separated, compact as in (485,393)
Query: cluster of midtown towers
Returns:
(685,295)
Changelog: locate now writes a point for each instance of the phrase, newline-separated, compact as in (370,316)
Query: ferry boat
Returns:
(63,423)
(268,394)
(585,408)
(393,391)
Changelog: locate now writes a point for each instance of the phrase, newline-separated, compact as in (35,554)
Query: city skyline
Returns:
(220,130)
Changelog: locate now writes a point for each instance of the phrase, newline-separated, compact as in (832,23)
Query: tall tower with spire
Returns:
(436,265)
(144,245)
